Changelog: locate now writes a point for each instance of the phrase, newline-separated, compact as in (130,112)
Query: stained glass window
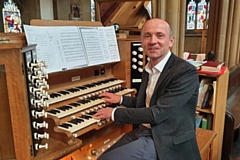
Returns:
(191,14)
(92,10)
(197,14)
(11,18)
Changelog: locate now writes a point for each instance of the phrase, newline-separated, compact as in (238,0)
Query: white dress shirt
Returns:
(154,73)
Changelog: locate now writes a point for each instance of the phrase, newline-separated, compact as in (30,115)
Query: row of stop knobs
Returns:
(37,82)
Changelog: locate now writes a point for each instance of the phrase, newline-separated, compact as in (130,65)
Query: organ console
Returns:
(49,116)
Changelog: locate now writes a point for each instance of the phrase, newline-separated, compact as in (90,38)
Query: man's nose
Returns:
(153,39)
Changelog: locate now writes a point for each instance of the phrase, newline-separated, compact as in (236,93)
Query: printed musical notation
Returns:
(67,47)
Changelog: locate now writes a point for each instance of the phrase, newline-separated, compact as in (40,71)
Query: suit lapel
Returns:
(144,82)
(166,70)
(161,78)
(142,90)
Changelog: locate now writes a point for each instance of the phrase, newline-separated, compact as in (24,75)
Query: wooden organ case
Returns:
(27,132)
(49,116)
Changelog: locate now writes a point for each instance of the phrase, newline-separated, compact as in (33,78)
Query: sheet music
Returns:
(69,45)
(109,42)
(103,40)
(44,41)
(66,47)
(93,45)
(112,43)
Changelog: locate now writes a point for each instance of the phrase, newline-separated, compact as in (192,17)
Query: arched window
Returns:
(197,14)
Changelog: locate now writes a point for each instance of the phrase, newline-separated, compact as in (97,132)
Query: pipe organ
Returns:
(49,116)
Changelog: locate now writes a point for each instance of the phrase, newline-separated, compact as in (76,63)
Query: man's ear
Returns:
(171,42)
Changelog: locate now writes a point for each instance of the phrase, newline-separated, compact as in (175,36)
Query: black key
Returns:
(64,108)
(63,92)
(73,90)
(54,95)
(111,79)
(92,113)
(54,111)
(79,120)
(74,104)
(95,83)
(74,121)
(93,98)
(84,101)
(65,125)
(90,85)
(82,87)
(98,83)
(86,117)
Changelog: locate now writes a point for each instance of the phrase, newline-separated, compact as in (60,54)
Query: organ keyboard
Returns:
(71,108)
(83,90)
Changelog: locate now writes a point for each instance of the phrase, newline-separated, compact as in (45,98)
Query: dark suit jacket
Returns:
(171,113)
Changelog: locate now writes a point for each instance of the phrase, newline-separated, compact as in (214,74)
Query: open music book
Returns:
(68,47)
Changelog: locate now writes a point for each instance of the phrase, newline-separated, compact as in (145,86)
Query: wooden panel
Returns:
(107,11)
(38,22)
(12,40)
(18,104)
(205,139)
(57,150)
(96,147)
(234,80)
(6,136)
(219,115)
(129,15)
(122,70)
(83,73)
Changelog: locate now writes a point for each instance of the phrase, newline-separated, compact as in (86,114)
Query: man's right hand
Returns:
(110,97)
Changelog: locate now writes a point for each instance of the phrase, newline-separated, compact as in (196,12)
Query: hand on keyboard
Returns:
(103,113)
(110,97)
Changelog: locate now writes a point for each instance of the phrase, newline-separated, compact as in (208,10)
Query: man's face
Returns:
(156,40)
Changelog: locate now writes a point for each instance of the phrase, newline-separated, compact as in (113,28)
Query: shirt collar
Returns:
(159,67)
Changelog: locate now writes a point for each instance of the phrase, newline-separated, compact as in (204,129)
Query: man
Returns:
(163,113)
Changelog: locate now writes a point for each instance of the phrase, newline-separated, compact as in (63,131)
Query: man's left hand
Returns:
(103,113)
